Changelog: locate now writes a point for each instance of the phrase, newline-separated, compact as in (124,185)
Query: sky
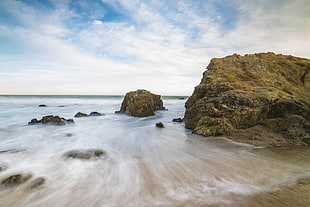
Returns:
(110,47)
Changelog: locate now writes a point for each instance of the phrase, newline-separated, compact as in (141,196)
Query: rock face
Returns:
(247,97)
(141,103)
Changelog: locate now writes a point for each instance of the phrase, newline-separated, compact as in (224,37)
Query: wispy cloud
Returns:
(112,46)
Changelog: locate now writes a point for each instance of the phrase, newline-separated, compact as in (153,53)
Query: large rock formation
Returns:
(262,99)
(141,103)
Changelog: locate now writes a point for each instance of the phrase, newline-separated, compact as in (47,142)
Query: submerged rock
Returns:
(51,120)
(85,154)
(15,180)
(177,120)
(37,182)
(94,113)
(141,103)
(3,167)
(80,114)
(239,93)
(160,125)
(42,105)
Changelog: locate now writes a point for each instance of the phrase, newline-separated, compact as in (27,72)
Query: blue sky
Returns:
(114,46)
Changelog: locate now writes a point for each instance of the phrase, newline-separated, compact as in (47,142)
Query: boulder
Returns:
(80,114)
(37,182)
(15,180)
(177,120)
(160,125)
(239,94)
(95,113)
(141,103)
(51,120)
(85,154)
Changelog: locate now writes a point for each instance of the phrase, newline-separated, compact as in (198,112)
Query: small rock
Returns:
(42,105)
(160,125)
(15,180)
(3,167)
(34,121)
(84,154)
(80,114)
(51,120)
(177,120)
(37,182)
(95,113)
(12,151)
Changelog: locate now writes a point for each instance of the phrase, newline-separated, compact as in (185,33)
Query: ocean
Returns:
(142,165)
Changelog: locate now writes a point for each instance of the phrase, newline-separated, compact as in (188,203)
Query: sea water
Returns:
(143,165)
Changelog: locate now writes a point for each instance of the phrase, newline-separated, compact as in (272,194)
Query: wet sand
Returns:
(295,195)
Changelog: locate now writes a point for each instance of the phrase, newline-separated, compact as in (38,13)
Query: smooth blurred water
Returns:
(143,165)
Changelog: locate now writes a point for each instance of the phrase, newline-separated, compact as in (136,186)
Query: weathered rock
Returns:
(85,154)
(141,103)
(238,93)
(37,182)
(15,180)
(95,113)
(160,125)
(80,114)
(177,120)
(51,120)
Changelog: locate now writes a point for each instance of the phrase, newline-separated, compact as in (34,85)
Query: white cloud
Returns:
(97,22)
(161,46)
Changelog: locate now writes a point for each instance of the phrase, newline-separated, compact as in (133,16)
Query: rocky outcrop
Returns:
(141,103)
(15,180)
(258,95)
(51,120)
(85,154)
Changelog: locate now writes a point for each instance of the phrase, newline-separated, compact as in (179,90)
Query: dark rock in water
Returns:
(80,114)
(42,105)
(69,135)
(85,154)
(177,120)
(51,120)
(37,182)
(95,113)
(3,167)
(34,121)
(238,94)
(61,106)
(160,125)
(141,103)
(15,180)
(12,151)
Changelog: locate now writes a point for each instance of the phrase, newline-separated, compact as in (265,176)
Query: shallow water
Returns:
(143,165)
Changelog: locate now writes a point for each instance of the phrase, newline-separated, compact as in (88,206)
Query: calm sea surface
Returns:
(143,165)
